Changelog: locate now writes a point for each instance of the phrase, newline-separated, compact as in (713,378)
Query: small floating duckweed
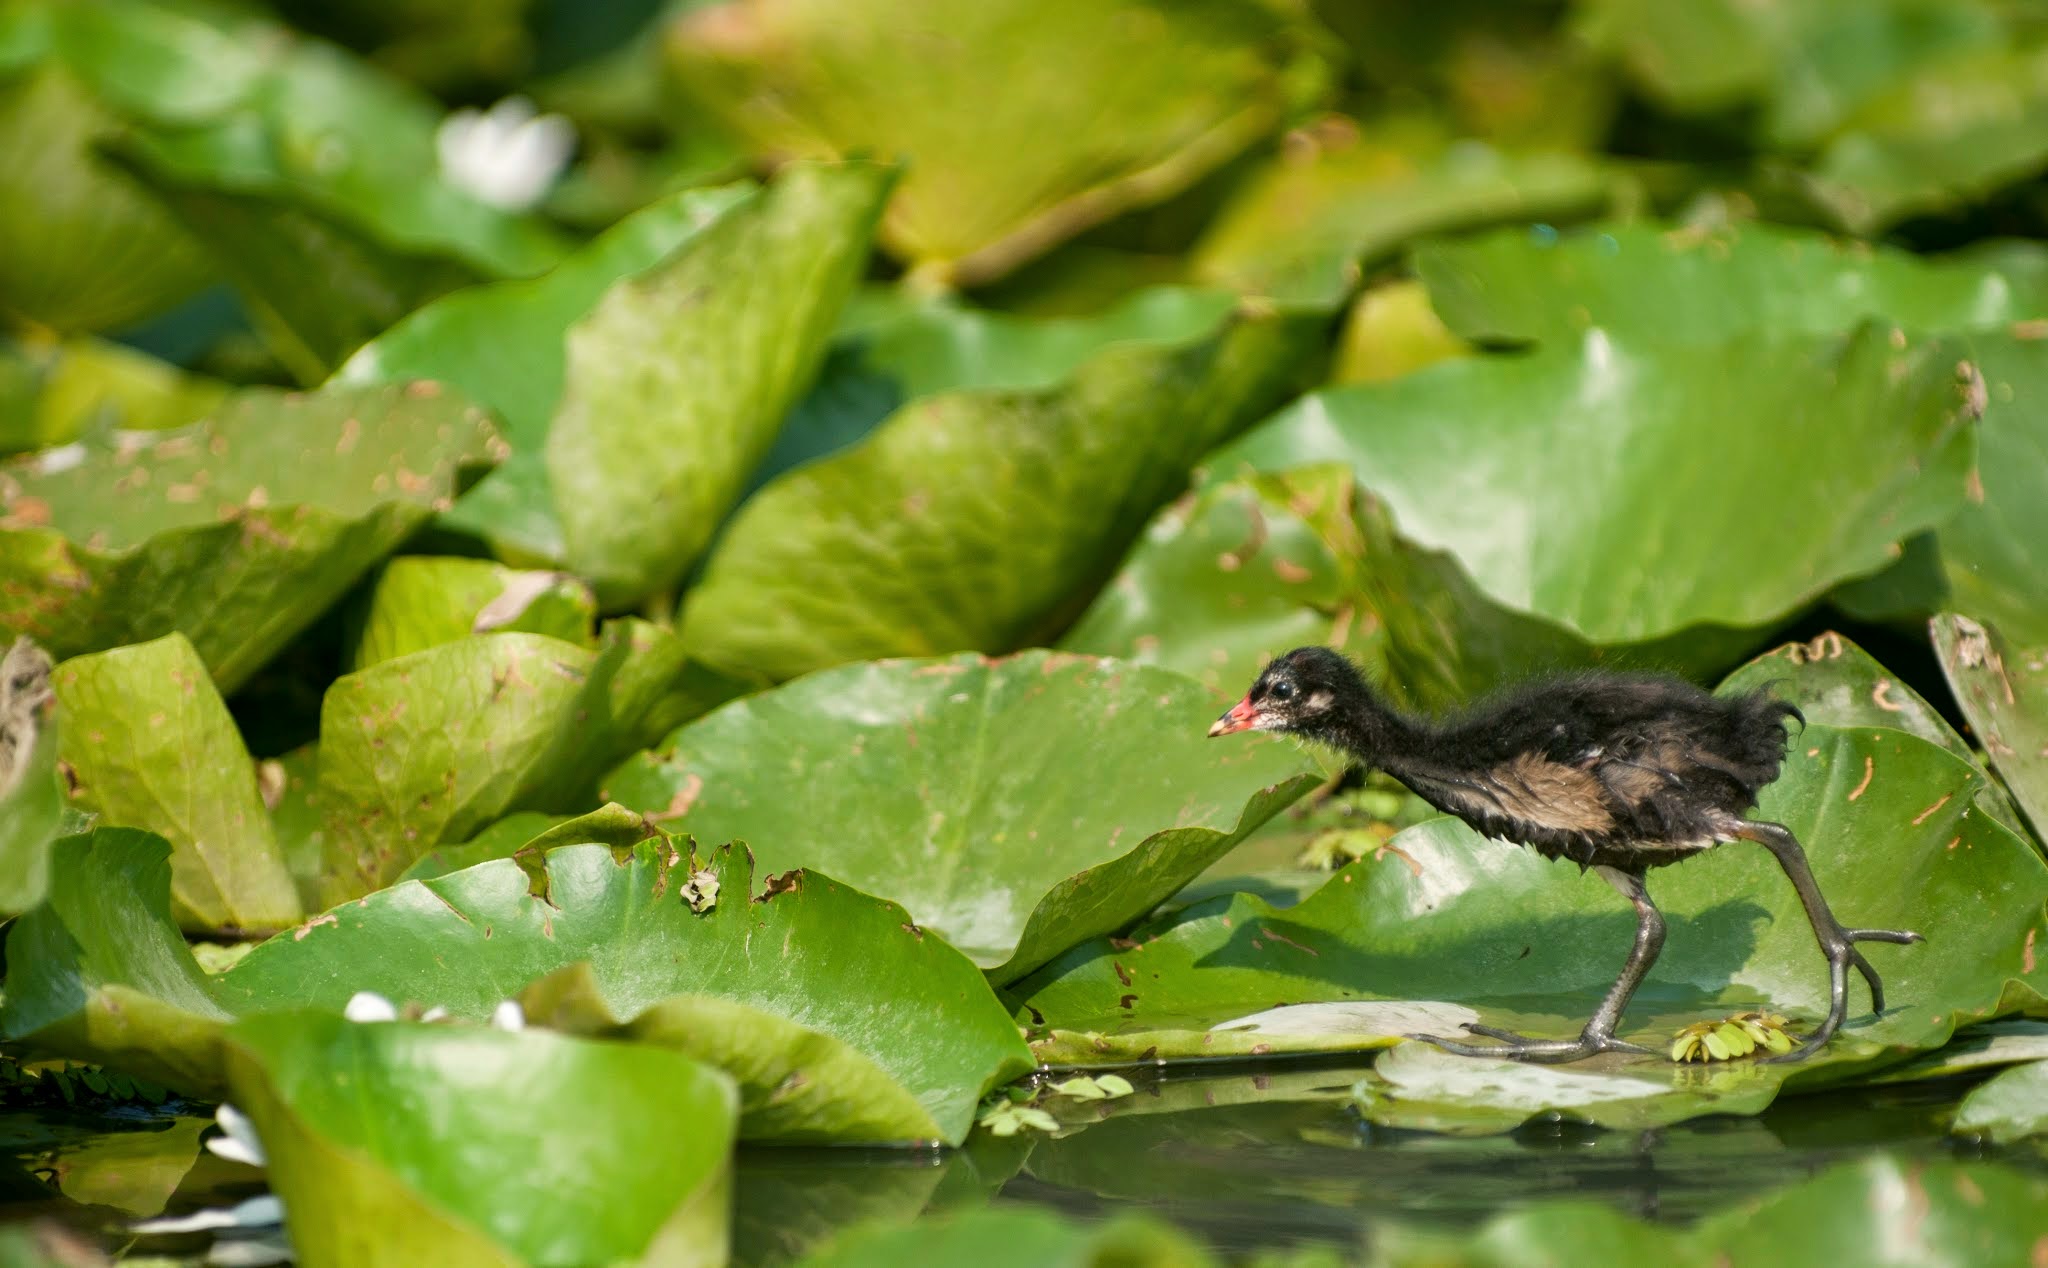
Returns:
(1732,1037)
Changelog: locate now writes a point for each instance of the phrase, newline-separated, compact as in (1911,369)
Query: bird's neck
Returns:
(1375,732)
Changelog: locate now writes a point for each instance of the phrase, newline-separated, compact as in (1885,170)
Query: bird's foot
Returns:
(1843,956)
(1514,1047)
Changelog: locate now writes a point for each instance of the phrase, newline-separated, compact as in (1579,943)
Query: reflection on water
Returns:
(1247,1157)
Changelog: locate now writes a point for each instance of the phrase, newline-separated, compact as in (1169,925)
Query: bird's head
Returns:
(1300,693)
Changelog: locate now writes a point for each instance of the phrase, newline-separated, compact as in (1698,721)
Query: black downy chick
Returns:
(1617,772)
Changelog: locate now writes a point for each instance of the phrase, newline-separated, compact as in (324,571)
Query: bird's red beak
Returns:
(1240,718)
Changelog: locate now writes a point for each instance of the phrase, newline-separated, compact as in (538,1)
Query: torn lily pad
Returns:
(239,531)
(1013,855)
(2003,690)
(419,602)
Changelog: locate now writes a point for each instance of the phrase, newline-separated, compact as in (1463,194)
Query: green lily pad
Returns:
(504,344)
(445,1144)
(433,746)
(239,531)
(1445,925)
(1305,229)
(1512,286)
(804,977)
(87,250)
(987,188)
(2010,1041)
(149,744)
(678,379)
(894,346)
(1989,553)
(58,391)
(2003,690)
(1000,1237)
(1013,854)
(1423,1088)
(1956,130)
(1232,575)
(1518,288)
(2010,1106)
(980,519)
(420,602)
(1837,683)
(1620,476)
(31,790)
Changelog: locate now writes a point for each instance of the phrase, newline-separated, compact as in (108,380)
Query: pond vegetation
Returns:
(647,700)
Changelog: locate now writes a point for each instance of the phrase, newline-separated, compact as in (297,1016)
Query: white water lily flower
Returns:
(369,1006)
(507,156)
(258,1212)
(240,1144)
(508,1015)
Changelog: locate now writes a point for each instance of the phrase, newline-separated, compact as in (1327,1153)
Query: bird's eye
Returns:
(1281,691)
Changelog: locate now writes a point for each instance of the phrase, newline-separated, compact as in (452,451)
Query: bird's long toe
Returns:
(1514,1047)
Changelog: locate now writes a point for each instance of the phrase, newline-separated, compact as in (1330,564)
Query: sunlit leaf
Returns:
(970,791)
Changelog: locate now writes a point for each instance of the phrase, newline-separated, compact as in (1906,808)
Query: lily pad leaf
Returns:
(504,344)
(237,532)
(1957,130)
(1445,917)
(87,250)
(2011,1106)
(1587,541)
(989,188)
(805,975)
(2004,693)
(31,790)
(1304,230)
(1234,574)
(540,1148)
(100,972)
(1836,682)
(970,791)
(1769,281)
(1512,286)
(420,602)
(980,520)
(54,393)
(149,744)
(678,379)
(1419,1087)
(431,747)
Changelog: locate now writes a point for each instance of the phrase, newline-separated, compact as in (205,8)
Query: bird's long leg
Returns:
(1836,942)
(1598,1036)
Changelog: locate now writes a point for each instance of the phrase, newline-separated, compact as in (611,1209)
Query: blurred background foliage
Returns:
(415,415)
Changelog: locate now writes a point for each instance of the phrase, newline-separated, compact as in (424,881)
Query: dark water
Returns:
(1249,1158)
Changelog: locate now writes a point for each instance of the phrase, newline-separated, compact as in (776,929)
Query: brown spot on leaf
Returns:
(1290,572)
(787,883)
(1127,1002)
(2027,952)
(27,512)
(1924,815)
(1122,974)
(1880,696)
(1281,937)
(1869,768)
(329,918)
(914,931)
(685,797)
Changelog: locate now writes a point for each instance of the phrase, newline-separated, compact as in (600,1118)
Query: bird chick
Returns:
(1619,773)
